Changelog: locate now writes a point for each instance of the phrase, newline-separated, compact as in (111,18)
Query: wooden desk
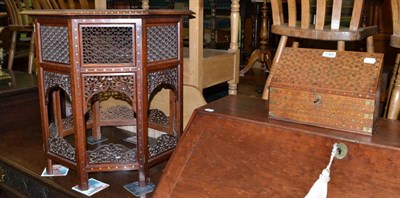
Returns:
(87,53)
(236,151)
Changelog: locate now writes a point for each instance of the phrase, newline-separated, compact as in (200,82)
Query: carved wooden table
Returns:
(87,56)
(263,54)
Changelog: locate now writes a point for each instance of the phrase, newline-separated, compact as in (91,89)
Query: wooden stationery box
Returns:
(327,88)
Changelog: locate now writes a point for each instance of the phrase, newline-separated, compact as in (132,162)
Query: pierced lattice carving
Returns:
(24,184)
(165,77)
(117,112)
(53,130)
(52,79)
(60,146)
(162,42)
(107,45)
(54,43)
(68,122)
(159,117)
(163,143)
(112,153)
(116,95)
(99,84)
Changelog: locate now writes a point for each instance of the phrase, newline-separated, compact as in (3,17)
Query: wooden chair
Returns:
(393,103)
(19,24)
(305,30)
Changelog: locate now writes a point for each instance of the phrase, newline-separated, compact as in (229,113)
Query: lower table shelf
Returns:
(22,162)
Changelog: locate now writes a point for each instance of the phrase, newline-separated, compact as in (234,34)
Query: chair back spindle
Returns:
(305,14)
(393,100)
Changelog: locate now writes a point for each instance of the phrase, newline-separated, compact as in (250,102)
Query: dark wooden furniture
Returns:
(393,102)
(240,152)
(19,104)
(304,28)
(22,161)
(88,55)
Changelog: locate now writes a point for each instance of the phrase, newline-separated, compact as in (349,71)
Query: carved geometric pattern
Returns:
(117,113)
(163,143)
(336,91)
(108,153)
(162,42)
(54,44)
(53,130)
(107,45)
(25,185)
(60,146)
(68,122)
(159,117)
(124,84)
(347,75)
(112,153)
(349,113)
(52,79)
(116,95)
(166,77)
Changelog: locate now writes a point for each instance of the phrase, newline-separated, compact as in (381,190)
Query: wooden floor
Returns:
(252,83)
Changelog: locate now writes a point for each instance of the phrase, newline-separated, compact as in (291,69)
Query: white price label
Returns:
(209,110)
(329,54)
(370,60)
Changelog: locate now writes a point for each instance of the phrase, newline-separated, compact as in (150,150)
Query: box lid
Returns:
(353,74)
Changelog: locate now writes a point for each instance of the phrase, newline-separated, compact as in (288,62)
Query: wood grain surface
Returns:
(236,151)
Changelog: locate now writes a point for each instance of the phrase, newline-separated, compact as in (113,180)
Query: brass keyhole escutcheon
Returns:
(342,151)
(317,99)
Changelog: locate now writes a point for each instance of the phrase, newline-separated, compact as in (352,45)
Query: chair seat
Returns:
(344,34)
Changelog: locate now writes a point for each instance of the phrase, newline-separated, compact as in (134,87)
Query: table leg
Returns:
(263,54)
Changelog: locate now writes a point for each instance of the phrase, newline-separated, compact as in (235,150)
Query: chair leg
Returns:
(31,54)
(252,60)
(394,103)
(391,83)
(370,44)
(341,46)
(295,44)
(279,50)
(12,50)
